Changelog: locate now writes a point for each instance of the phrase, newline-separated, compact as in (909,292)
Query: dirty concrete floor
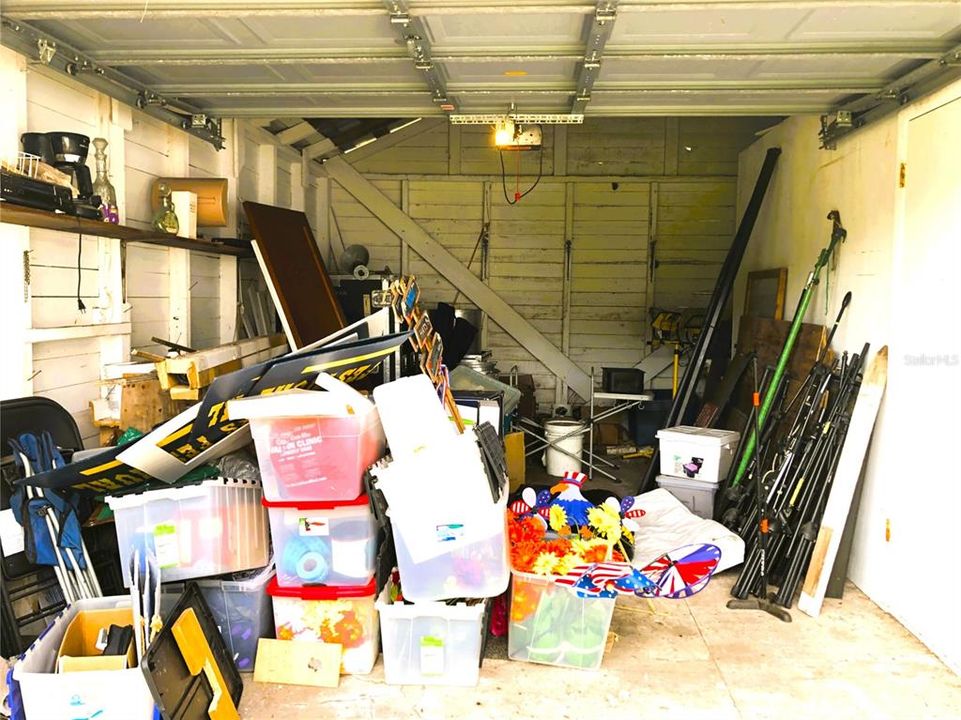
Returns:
(688,659)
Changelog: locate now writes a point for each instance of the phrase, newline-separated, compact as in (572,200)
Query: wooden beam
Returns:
(407,229)
(398,136)
(318,149)
(300,131)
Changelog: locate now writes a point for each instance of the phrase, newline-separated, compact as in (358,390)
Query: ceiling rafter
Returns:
(598,30)
(413,35)
(296,133)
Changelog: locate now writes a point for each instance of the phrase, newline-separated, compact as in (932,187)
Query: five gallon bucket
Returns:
(558,462)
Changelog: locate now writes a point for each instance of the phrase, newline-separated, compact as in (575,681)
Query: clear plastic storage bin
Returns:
(211,528)
(550,624)
(342,615)
(241,608)
(431,643)
(312,445)
(323,543)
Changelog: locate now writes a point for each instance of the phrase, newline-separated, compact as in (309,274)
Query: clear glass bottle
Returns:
(166,219)
(102,185)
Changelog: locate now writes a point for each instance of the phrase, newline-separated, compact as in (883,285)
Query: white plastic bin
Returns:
(210,528)
(696,495)
(312,445)
(342,615)
(702,454)
(431,643)
(323,543)
(550,624)
(101,694)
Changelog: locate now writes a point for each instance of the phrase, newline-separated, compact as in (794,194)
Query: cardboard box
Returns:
(79,652)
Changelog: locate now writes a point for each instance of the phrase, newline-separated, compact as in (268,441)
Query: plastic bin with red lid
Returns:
(323,543)
(341,615)
(313,445)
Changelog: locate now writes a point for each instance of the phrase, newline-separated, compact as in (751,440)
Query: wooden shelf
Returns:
(30,217)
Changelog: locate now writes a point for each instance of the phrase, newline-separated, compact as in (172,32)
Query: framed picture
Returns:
(765,293)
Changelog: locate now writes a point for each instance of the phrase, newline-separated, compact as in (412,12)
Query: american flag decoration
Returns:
(531,503)
(629,510)
(598,579)
(682,572)
(674,575)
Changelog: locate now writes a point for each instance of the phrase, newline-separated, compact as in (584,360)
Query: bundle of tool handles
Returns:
(796,459)
(791,447)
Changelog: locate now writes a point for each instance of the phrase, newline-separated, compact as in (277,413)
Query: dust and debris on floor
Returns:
(688,659)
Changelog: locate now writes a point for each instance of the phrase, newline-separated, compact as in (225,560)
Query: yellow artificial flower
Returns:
(558,520)
(567,563)
(545,563)
(581,547)
(606,522)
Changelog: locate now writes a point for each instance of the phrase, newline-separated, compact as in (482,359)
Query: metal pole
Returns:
(838,234)
(722,293)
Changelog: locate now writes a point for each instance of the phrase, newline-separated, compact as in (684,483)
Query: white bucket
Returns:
(557,462)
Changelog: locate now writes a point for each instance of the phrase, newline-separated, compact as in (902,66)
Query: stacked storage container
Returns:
(449,532)
(693,461)
(313,449)
(216,527)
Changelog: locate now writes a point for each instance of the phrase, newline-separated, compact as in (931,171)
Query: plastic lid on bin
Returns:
(300,403)
(322,592)
(698,435)
(315,504)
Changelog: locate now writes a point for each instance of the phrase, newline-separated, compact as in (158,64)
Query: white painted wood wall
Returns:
(612,187)
(138,291)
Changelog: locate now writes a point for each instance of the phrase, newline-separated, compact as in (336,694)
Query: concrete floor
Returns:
(689,659)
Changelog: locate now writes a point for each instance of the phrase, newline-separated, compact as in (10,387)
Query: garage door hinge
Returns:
(902,174)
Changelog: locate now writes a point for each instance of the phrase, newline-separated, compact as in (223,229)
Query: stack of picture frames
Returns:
(405,295)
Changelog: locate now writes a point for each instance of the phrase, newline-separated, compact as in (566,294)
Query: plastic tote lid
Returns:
(323,592)
(337,399)
(315,504)
(698,435)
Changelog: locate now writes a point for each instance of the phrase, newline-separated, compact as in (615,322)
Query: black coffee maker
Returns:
(67,152)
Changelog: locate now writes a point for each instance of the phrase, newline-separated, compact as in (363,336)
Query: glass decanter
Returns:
(102,185)
(166,218)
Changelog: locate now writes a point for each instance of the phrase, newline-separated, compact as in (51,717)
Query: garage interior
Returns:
(671,209)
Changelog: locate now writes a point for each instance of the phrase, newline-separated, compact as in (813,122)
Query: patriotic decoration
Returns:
(674,575)
(569,497)
(532,503)
(630,512)
(683,572)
